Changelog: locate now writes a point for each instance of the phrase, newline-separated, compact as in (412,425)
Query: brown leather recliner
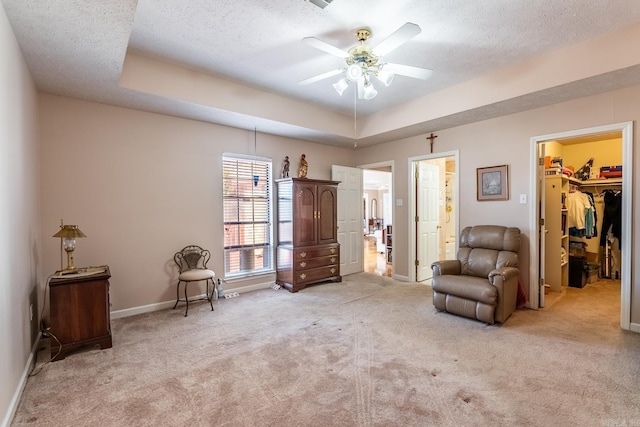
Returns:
(483,282)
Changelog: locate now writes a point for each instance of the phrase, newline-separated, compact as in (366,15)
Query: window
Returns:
(247,215)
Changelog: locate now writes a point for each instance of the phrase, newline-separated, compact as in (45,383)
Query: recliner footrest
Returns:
(467,287)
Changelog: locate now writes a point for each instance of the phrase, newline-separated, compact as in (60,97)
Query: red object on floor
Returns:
(522,296)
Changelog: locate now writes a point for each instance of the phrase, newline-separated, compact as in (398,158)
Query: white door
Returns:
(427,218)
(540,199)
(349,218)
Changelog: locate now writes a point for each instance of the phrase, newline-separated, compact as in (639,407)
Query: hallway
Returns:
(375,262)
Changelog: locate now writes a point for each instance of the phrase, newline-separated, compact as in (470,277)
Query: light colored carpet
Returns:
(369,351)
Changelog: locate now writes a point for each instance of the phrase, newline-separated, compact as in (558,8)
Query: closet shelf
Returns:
(600,182)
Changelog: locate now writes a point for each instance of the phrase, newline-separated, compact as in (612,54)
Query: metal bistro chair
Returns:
(192,267)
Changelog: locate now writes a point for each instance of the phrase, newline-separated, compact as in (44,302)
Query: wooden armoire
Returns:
(307,249)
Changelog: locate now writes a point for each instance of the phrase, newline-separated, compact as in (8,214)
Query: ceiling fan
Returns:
(363,61)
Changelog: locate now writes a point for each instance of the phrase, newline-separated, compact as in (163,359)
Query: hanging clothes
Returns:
(579,214)
(592,228)
(612,216)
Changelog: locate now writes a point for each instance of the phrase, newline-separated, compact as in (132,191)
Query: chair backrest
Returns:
(486,247)
(191,257)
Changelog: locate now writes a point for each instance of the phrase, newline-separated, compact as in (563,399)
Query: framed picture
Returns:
(493,183)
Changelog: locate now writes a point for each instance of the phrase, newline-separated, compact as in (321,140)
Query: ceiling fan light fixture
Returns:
(354,72)
(386,77)
(341,85)
(370,92)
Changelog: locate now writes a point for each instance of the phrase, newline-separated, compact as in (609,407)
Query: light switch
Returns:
(523,198)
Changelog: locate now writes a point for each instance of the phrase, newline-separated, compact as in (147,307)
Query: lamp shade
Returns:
(69,232)
(386,77)
(369,91)
(341,85)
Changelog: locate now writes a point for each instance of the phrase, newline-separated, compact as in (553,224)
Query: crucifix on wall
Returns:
(431,138)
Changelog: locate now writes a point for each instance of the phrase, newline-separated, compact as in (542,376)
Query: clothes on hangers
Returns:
(580,214)
(594,226)
(612,216)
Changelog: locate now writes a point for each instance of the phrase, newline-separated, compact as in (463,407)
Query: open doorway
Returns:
(581,192)
(433,208)
(377,219)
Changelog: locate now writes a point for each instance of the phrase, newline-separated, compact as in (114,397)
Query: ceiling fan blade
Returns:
(409,71)
(399,37)
(325,47)
(320,77)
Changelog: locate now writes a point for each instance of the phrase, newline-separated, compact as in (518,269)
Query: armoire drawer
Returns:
(317,273)
(307,264)
(305,254)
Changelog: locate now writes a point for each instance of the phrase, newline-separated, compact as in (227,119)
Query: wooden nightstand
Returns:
(79,306)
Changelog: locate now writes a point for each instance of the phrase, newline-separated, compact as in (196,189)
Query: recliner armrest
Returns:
(449,266)
(505,272)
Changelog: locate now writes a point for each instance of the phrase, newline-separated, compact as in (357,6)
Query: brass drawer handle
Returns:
(303,254)
(333,250)
(303,276)
(333,259)
(303,264)
(333,270)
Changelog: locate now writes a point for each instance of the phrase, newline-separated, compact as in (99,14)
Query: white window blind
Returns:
(247,215)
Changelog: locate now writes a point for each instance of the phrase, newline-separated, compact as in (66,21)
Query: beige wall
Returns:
(142,186)
(20,259)
(506,140)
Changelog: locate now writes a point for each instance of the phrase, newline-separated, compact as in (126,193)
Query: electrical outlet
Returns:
(30,312)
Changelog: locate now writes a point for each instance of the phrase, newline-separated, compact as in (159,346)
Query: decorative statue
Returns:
(302,167)
(285,168)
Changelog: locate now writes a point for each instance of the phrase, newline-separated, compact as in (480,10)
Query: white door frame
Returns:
(389,163)
(412,203)
(627,212)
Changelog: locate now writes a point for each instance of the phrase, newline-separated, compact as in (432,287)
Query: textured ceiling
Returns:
(77,48)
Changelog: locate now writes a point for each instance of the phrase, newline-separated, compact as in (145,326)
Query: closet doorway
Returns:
(583,208)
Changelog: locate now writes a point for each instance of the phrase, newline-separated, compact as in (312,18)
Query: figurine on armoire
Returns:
(302,167)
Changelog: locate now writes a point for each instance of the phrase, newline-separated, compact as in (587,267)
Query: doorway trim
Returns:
(412,202)
(627,210)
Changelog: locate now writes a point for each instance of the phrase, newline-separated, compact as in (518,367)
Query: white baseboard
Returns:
(15,400)
(634,327)
(400,278)
(117,314)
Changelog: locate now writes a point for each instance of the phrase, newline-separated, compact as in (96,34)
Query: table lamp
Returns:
(68,235)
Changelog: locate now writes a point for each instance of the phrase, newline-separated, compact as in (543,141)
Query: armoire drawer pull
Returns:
(333,259)
(333,270)
(333,250)
(303,276)
(303,264)
(303,254)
